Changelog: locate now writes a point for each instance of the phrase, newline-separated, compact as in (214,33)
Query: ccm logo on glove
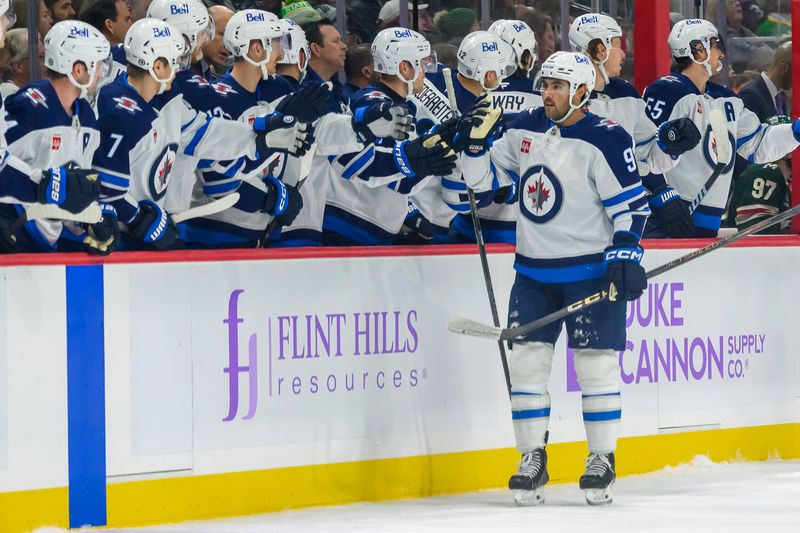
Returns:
(624,254)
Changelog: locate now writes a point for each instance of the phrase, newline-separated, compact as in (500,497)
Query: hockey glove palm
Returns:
(678,136)
(623,270)
(382,120)
(424,156)
(672,212)
(104,235)
(72,189)
(417,224)
(482,121)
(307,104)
(154,227)
(281,132)
(284,202)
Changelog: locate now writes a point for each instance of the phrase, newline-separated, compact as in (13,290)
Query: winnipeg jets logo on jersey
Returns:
(128,104)
(161,170)
(542,195)
(223,88)
(198,79)
(35,96)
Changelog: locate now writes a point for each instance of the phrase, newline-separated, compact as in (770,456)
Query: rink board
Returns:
(153,388)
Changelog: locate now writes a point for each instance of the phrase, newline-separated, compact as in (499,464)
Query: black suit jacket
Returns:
(757,99)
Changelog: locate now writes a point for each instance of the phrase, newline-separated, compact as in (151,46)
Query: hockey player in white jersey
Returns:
(368,203)
(51,126)
(698,50)
(582,210)
(141,142)
(515,93)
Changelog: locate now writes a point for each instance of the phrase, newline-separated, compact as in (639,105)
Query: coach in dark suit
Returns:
(764,96)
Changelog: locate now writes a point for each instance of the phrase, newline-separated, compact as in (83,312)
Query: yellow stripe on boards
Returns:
(212,496)
(30,509)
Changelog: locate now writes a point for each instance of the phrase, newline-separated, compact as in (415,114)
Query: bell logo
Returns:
(588,20)
(490,47)
(161,32)
(692,22)
(518,27)
(583,60)
(254,17)
(76,31)
(182,9)
(402,34)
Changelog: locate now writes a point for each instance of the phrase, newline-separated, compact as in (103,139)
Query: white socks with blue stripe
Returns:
(529,367)
(598,375)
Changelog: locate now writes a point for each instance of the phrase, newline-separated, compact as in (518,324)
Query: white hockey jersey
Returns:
(579,186)
(676,96)
(43,135)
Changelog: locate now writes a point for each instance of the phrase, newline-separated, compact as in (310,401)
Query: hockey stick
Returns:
(211,208)
(720,129)
(476,224)
(476,329)
(90,215)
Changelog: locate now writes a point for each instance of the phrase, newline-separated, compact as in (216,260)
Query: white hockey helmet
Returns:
(249,25)
(150,39)
(392,46)
(586,29)
(7,11)
(294,39)
(481,52)
(574,68)
(689,34)
(520,37)
(190,17)
(71,41)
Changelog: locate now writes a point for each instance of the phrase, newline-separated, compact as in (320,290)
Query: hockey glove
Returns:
(382,120)
(283,201)
(154,227)
(281,132)
(678,136)
(507,195)
(104,235)
(417,224)
(672,212)
(307,104)
(72,189)
(8,242)
(623,270)
(482,121)
(796,130)
(424,156)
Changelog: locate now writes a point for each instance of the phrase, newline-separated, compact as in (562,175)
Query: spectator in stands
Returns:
(389,17)
(45,18)
(742,54)
(447,54)
(765,95)
(737,81)
(216,58)
(18,72)
(544,29)
(111,17)
(60,10)
(362,20)
(300,12)
(359,68)
(763,191)
(456,24)
(753,15)
(139,8)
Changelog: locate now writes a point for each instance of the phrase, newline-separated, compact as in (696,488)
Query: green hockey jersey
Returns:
(761,191)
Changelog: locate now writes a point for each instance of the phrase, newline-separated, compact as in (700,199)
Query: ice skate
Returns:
(528,483)
(598,479)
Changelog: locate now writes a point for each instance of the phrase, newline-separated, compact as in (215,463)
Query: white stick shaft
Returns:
(90,215)
(207,209)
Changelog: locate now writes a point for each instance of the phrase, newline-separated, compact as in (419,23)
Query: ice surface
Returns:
(700,496)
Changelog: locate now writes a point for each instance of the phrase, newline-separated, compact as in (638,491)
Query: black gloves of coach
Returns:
(72,189)
(672,212)
(307,104)
(154,227)
(678,136)
(623,270)
(283,201)
(424,156)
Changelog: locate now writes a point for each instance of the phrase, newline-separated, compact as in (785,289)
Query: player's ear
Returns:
(599,52)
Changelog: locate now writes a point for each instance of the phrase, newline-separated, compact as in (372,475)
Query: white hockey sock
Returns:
(530,413)
(529,367)
(598,374)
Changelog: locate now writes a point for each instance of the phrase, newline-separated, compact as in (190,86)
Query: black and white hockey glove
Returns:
(382,120)
(104,235)
(281,132)
(153,227)
(672,213)
(8,242)
(417,224)
(678,136)
(284,202)
(424,156)
(72,189)
(307,103)
(479,124)
(623,270)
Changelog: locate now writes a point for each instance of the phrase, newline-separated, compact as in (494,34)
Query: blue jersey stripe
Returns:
(624,196)
(198,136)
